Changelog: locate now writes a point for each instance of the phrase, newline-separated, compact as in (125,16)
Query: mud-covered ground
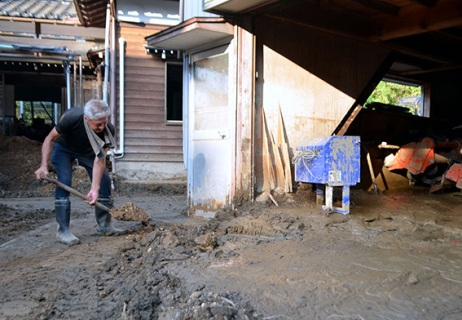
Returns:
(397,256)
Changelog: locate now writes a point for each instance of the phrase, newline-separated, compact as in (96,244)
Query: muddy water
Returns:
(398,256)
(326,277)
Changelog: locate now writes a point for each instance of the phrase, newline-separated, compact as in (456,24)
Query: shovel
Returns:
(128,211)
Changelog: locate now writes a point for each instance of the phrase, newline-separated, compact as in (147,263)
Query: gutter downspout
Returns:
(106,53)
(81,83)
(120,152)
(75,84)
(68,84)
(113,92)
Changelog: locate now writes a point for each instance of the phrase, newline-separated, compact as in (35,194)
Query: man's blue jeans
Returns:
(62,159)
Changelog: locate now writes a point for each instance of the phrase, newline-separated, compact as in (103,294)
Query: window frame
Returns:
(167,121)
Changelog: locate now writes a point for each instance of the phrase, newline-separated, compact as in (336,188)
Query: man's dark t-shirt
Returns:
(73,134)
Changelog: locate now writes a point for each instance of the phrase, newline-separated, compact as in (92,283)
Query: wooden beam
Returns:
(432,70)
(79,13)
(417,19)
(333,23)
(413,52)
(380,6)
(362,98)
(428,3)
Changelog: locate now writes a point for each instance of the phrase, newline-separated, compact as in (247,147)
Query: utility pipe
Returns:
(113,74)
(55,105)
(68,84)
(106,53)
(75,84)
(113,91)
(81,82)
(120,152)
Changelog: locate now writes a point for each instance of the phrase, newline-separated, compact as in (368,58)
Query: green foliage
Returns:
(37,111)
(390,92)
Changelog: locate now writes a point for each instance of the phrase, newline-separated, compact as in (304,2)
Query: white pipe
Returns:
(106,52)
(68,84)
(113,90)
(81,82)
(120,152)
(113,73)
(56,113)
(75,84)
(21,109)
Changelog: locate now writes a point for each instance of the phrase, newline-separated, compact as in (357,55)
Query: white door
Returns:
(212,109)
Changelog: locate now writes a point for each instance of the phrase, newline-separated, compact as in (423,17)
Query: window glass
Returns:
(174,93)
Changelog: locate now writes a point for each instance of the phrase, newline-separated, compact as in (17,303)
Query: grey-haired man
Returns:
(85,135)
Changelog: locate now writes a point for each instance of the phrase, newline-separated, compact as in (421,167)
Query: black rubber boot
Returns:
(63,217)
(103,218)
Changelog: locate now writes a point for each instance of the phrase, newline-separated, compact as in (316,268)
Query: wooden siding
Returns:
(147,136)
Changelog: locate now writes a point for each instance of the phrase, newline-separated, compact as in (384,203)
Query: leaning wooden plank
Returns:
(285,154)
(280,171)
(268,172)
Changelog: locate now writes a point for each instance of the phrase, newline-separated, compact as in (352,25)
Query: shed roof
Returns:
(63,10)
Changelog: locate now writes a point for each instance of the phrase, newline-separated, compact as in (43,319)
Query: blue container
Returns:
(334,161)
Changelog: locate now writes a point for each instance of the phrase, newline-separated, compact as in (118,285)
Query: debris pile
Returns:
(431,162)
(129,212)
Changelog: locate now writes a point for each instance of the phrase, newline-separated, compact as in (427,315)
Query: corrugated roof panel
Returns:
(38,9)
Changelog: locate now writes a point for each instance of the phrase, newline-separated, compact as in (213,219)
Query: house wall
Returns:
(311,76)
(153,149)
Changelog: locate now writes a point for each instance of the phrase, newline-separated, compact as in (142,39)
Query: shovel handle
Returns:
(73,191)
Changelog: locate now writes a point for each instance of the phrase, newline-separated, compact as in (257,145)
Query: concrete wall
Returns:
(153,172)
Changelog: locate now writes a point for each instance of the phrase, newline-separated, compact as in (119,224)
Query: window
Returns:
(397,95)
(174,93)
(35,119)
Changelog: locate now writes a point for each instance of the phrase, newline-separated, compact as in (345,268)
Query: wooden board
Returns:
(268,172)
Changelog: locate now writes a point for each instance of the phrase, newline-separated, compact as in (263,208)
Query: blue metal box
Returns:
(330,161)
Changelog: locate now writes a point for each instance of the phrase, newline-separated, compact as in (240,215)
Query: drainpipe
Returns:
(120,152)
(106,52)
(113,92)
(113,74)
(68,84)
(75,84)
(81,83)
(55,105)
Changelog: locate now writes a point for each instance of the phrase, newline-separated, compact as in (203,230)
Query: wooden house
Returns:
(264,75)
(57,55)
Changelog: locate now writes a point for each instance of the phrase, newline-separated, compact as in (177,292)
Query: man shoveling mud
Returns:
(85,135)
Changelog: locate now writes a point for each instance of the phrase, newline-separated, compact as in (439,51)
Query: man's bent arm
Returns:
(47,147)
(98,169)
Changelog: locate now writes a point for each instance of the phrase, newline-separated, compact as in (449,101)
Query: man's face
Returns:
(97,125)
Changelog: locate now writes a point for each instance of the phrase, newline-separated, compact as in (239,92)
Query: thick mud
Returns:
(397,256)
(129,212)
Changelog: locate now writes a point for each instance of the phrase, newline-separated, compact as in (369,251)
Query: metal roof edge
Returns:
(192,33)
